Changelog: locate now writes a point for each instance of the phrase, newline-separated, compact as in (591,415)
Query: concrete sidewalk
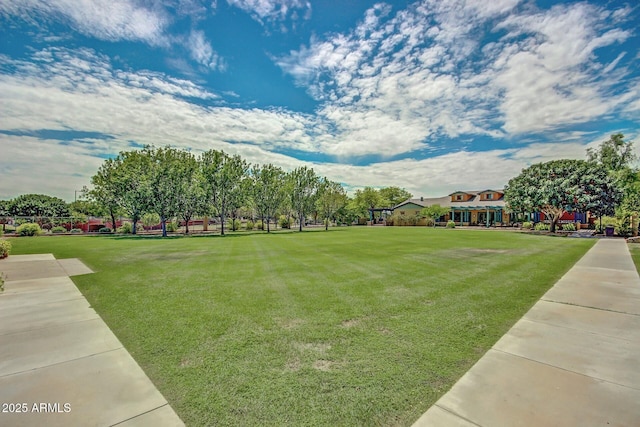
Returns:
(60,365)
(572,360)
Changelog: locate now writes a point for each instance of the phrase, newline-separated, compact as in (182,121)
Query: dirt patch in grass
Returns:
(289,323)
(350,323)
(293,365)
(315,347)
(325,365)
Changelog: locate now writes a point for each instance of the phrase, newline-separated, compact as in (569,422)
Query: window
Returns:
(459,197)
(488,196)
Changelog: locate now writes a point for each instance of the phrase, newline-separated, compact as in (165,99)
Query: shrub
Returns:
(5,248)
(172,227)
(249,225)
(233,224)
(429,221)
(451,224)
(125,228)
(1,282)
(569,227)
(284,222)
(150,219)
(397,219)
(76,230)
(541,226)
(527,225)
(29,229)
(58,229)
(104,230)
(258,225)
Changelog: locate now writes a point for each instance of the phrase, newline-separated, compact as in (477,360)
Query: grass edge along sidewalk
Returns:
(571,360)
(353,326)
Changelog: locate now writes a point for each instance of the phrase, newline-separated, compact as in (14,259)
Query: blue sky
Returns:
(433,96)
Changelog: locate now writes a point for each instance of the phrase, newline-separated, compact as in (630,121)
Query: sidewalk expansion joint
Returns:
(566,370)
(456,414)
(590,307)
(139,415)
(586,331)
(62,362)
(49,326)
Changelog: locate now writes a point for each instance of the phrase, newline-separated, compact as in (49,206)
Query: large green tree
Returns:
(434,212)
(615,154)
(267,191)
(224,176)
(331,198)
(193,197)
(304,188)
(132,184)
(366,199)
(4,213)
(104,189)
(559,186)
(38,205)
(169,175)
(393,196)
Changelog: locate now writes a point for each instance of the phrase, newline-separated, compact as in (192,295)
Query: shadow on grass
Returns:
(216,234)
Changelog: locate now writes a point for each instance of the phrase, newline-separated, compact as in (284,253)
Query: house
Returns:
(485,207)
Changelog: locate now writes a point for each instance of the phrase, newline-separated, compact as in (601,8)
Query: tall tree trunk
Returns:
(163,222)
(113,220)
(326,224)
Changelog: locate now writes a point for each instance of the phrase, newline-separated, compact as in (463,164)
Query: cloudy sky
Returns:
(433,96)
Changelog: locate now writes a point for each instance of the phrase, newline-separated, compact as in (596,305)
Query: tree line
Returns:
(175,183)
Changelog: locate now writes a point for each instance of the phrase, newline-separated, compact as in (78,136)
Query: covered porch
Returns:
(488,216)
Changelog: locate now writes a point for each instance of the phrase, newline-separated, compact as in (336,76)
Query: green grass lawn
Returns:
(355,326)
(634,249)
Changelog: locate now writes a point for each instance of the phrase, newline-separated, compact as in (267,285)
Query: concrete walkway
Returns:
(572,360)
(60,365)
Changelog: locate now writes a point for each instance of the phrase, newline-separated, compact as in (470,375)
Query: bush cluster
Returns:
(527,225)
(5,248)
(125,228)
(284,221)
(76,230)
(398,219)
(541,226)
(249,225)
(104,230)
(258,225)
(451,224)
(58,230)
(29,229)
(172,227)
(233,224)
(569,227)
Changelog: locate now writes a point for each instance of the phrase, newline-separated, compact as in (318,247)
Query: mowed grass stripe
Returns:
(355,326)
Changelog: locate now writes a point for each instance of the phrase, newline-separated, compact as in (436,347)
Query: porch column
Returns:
(487,217)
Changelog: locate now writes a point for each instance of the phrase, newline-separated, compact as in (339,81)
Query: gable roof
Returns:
(445,201)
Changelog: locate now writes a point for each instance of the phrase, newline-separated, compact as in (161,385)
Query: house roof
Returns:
(445,201)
